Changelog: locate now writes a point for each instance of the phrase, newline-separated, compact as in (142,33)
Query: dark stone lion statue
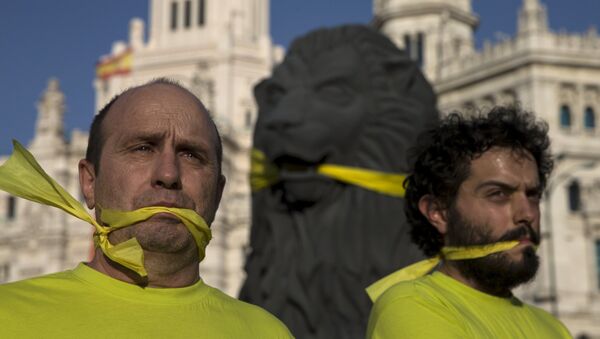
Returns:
(346,96)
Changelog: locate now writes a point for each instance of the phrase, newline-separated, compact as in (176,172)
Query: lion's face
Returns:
(310,113)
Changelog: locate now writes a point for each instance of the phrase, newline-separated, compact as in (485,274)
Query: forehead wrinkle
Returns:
(172,132)
(173,107)
(145,89)
(163,111)
(505,166)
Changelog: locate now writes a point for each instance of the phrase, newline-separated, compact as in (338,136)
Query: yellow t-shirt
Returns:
(84,303)
(438,306)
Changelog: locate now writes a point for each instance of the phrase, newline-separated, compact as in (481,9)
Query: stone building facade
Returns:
(221,48)
(555,75)
(38,239)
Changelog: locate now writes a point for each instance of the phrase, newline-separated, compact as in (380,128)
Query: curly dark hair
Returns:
(442,158)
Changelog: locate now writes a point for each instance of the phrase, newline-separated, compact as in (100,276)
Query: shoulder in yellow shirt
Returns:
(84,303)
(437,306)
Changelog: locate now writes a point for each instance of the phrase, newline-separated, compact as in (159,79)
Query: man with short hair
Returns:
(153,175)
(473,203)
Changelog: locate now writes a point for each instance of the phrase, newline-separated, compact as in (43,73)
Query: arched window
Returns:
(574,196)
(565,116)
(589,118)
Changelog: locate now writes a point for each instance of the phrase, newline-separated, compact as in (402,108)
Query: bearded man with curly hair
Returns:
(473,200)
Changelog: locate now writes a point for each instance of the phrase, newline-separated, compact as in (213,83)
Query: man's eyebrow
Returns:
(156,137)
(192,145)
(496,183)
(506,186)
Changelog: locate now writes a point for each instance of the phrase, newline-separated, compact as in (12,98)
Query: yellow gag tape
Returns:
(264,174)
(194,223)
(22,176)
(423,267)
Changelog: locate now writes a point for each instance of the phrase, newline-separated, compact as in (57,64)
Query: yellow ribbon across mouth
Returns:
(423,267)
(264,174)
(22,176)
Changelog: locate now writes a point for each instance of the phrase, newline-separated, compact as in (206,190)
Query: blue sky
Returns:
(40,39)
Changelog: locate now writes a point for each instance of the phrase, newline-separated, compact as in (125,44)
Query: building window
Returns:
(31,271)
(598,262)
(589,118)
(420,44)
(173,16)
(11,208)
(187,18)
(201,12)
(414,47)
(248,119)
(407,45)
(4,273)
(456,46)
(565,116)
(105,87)
(574,196)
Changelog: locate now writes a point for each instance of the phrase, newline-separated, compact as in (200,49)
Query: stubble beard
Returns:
(497,273)
(162,236)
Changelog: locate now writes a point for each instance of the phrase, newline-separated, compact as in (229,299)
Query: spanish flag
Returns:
(119,64)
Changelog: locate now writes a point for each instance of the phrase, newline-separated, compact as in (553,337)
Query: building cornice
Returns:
(157,58)
(512,61)
(414,10)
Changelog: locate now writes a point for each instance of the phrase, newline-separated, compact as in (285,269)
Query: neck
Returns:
(165,270)
(453,272)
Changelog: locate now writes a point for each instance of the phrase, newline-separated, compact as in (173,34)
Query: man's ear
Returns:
(87,182)
(433,211)
(220,187)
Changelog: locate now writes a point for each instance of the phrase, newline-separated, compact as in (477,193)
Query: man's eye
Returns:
(192,156)
(535,196)
(497,194)
(142,148)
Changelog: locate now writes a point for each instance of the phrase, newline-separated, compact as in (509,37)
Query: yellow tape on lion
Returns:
(264,174)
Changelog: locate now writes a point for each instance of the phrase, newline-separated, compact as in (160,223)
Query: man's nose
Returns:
(526,209)
(166,170)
